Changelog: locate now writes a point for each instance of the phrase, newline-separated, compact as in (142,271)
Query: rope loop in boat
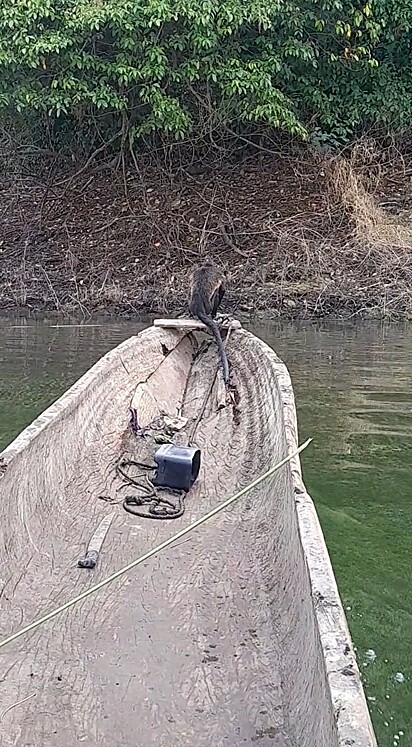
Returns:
(158,507)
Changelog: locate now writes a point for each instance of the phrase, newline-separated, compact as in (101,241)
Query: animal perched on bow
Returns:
(207,288)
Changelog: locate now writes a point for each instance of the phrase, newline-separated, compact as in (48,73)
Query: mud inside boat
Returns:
(236,635)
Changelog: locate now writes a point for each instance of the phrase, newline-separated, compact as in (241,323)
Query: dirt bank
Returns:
(300,235)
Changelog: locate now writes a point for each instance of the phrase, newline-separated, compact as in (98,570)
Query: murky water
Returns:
(354,397)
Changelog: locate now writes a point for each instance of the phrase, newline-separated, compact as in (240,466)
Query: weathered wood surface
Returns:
(234,636)
(186,324)
(192,324)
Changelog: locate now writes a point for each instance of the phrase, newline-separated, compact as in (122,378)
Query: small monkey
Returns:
(206,292)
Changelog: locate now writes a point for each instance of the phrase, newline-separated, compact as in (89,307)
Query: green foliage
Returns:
(190,67)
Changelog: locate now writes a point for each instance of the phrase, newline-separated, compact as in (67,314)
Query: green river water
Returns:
(353,392)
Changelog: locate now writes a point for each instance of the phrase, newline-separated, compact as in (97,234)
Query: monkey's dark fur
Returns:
(207,288)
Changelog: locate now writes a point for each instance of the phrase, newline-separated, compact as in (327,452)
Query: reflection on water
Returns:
(353,393)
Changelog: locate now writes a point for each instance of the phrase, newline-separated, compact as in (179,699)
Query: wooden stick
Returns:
(193,324)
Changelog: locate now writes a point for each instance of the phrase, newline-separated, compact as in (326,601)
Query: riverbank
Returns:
(301,236)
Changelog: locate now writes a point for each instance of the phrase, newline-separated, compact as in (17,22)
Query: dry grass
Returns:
(352,182)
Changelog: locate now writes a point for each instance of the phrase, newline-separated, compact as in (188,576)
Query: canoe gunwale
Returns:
(348,698)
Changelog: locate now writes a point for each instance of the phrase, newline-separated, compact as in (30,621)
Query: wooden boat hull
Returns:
(234,636)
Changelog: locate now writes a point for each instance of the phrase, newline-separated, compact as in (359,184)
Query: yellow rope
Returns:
(154,550)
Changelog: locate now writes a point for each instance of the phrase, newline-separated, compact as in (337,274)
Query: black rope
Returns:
(157,506)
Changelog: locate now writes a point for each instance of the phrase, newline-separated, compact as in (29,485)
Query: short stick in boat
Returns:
(207,289)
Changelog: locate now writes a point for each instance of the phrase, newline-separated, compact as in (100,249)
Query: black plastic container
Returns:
(178,467)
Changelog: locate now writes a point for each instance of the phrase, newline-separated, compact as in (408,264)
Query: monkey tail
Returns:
(211,324)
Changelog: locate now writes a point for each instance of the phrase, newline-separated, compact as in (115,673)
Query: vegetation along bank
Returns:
(138,138)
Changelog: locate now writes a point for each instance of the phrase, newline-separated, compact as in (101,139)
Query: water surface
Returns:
(353,395)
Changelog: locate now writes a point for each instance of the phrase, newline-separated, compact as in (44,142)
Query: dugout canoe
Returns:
(234,636)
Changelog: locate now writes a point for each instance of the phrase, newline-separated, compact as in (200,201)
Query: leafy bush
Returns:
(98,70)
